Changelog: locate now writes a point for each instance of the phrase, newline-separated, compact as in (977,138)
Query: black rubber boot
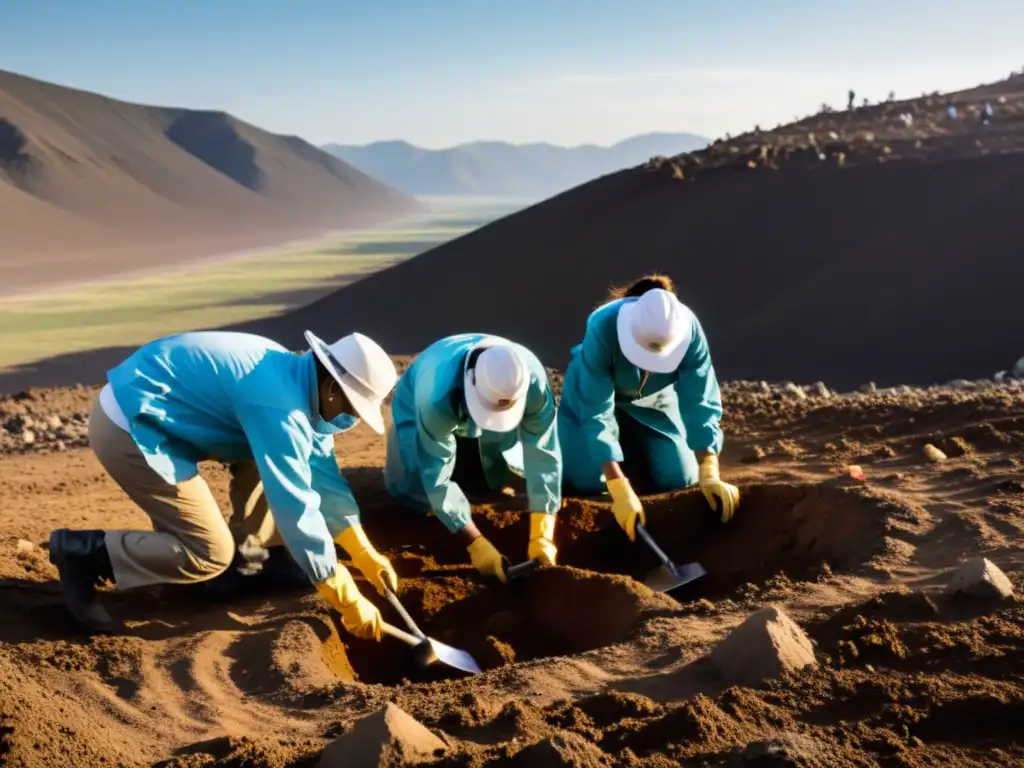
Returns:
(83,564)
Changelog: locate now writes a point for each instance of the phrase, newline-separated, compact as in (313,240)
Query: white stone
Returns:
(980,577)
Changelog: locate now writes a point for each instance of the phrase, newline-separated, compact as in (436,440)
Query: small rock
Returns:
(1018,369)
(792,390)
(28,437)
(563,748)
(820,390)
(786,749)
(60,445)
(54,422)
(960,384)
(980,577)
(765,388)
(767,644)
(868,389)
(25,546)
(934,454)
(388,736)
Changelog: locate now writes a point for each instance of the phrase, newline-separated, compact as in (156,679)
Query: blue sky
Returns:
(440,72)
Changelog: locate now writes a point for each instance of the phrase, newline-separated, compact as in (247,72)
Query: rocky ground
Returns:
(855,612)
(916,129)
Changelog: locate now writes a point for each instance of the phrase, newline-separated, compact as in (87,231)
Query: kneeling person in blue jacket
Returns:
(495,392)
(268,413)
(643,376)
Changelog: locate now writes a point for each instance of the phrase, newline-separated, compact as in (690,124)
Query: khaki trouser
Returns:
(191,540)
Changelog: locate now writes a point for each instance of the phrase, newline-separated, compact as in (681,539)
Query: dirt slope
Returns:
(845,247)
(583,667)
(92,185)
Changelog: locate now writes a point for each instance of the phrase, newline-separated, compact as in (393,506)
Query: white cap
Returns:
(496,388)
(363,370)
(655,331)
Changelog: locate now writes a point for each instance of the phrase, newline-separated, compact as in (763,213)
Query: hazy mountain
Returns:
(499,168)
(91,185)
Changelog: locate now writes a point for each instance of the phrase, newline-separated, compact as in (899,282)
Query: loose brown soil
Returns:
(583,665)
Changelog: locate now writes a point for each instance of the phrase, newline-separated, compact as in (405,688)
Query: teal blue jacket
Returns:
(600,379)
(237,397)
(429,411)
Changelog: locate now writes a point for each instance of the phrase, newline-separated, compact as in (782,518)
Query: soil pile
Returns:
(89,183)
(843,244)
(584,666)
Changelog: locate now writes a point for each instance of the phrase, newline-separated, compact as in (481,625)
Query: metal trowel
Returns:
(426,650)
(668,575)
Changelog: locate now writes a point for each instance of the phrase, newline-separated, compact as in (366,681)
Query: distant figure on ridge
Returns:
(641,388)
(271,415)
(851,96)
(472,395)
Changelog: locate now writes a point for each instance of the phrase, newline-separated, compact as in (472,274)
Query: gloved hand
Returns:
(486,558)
(373,565)
(727,496)
(626,506)
(542,534)
(358,615)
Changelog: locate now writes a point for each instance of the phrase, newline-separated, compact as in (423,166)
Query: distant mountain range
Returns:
(91,186)
(499,168)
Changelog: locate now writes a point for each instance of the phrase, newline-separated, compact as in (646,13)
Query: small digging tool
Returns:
(426,650)
(523,569)
(668,575)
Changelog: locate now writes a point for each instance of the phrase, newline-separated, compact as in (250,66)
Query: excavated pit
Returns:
(554,612)
(797,531)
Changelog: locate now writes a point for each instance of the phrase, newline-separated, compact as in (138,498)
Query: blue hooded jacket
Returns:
(429,411)
(599,379)
(237,397)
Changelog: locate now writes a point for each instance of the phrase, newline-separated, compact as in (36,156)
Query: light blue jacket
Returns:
(600,379)
(236,397)
(429,411)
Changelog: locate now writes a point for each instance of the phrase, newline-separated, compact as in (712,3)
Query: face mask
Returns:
(336,426)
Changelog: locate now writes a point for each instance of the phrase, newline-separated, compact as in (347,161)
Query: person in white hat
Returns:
(488,389)
(643,378)
(270,415)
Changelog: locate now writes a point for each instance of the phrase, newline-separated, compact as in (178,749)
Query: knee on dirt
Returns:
(210,559)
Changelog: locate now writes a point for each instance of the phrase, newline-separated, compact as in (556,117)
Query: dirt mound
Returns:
(583,665)
(83,173)
(838,291)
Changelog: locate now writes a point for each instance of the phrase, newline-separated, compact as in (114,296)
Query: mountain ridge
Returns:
(491,167)
(91,185)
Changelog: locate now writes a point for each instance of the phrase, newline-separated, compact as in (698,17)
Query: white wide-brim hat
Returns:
(655,331)
(496,388)
(362,369)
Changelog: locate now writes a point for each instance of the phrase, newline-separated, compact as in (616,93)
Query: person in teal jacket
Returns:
(268,413)
(487,390)
(643,377)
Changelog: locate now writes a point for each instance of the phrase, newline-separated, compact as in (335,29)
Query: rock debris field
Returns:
(861,609)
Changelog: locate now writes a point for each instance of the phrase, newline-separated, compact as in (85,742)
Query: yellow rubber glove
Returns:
(542,535)
(358,615)
(374,566)
(486,558)
(727,496)
(626,506)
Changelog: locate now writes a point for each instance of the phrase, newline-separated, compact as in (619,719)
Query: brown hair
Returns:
(642,286)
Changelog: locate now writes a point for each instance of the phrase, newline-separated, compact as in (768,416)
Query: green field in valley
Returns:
(133,309)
